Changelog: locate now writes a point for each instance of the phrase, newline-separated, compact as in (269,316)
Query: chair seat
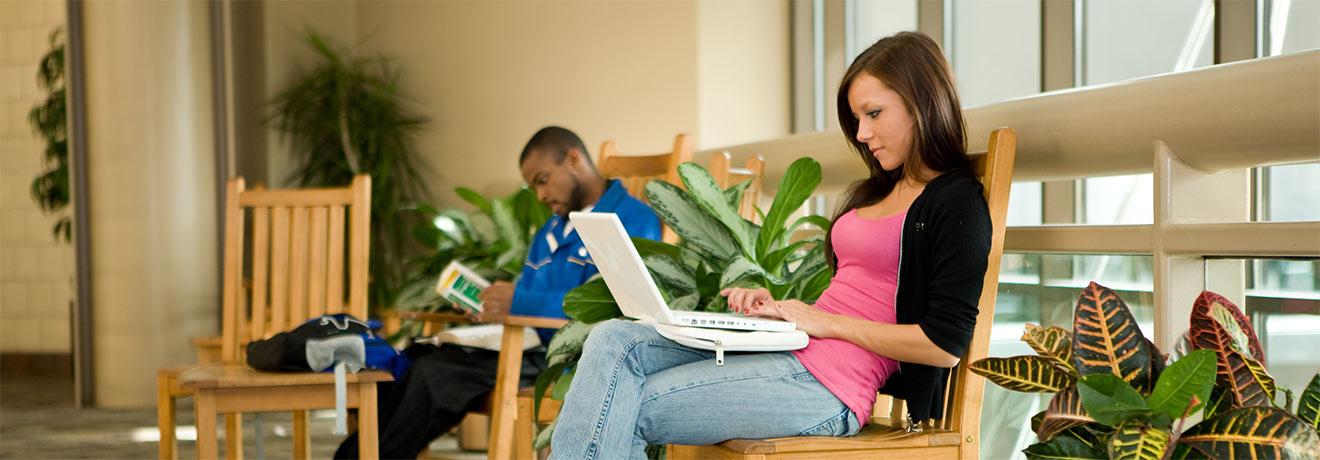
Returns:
(243,376)
(872,438)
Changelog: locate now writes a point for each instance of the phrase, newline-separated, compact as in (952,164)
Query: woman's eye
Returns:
(872,114)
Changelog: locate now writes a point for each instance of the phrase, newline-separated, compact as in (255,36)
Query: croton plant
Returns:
(1115,398)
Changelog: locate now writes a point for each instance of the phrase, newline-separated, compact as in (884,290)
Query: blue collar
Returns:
(608,202)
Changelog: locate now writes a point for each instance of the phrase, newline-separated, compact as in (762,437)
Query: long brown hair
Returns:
(912,65)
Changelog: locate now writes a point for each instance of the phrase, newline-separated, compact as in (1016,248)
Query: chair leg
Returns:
(204,413)
(169,448)
(302,438)
(522,430)
(234,436)
(367,426)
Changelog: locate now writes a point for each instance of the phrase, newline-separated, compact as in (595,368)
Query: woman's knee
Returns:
(615,334)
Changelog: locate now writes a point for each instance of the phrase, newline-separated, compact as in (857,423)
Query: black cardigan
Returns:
(942,262)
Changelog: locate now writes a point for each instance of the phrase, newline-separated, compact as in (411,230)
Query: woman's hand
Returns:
(814,321)
(741,300)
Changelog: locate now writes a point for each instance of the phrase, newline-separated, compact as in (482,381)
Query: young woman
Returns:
(909,248)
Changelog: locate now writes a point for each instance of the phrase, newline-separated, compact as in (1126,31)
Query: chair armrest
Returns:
(535,321)
(453,318)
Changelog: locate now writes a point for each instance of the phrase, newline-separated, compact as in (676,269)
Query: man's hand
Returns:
(495,302)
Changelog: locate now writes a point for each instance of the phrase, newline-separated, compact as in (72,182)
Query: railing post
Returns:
(1187,195)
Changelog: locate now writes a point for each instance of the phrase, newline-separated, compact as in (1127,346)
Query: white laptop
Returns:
(634,289)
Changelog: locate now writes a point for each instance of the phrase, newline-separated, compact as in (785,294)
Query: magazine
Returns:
(462,286)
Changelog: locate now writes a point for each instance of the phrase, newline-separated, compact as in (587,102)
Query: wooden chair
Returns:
(297,262)
(956,434)
(635,171)
(725,176)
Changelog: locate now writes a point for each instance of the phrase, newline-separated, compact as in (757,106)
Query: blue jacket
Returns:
(557,263)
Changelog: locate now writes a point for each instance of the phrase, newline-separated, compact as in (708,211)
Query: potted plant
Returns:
(493,241)
(1115,398)
(346,117)
(50,189)
(718,249)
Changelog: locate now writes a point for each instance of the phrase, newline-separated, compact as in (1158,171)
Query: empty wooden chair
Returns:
(308,249)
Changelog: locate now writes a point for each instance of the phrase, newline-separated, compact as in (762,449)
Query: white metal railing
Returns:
(1229,116)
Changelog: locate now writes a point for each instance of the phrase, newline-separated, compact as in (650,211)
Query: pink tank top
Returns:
(864,286)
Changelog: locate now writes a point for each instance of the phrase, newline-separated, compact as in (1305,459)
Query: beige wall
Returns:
(36,271)
(488,74)
(743,76)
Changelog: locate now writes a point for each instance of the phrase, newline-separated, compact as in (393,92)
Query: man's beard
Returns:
(575,199)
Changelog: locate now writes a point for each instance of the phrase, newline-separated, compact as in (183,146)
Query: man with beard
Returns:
(446,381)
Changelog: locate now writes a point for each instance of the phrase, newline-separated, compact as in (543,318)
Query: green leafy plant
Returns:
(717,249)
(493,241)
(50,189)
(1114,398)
(346,117)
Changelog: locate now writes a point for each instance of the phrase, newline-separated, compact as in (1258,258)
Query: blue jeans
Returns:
(635,387)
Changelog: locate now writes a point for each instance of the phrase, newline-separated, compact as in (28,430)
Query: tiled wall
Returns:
(36,272)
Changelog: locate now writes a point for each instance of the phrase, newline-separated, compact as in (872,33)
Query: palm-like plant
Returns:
(493,241)
(50,189)
(718,249)
(1114,397)
(346,117)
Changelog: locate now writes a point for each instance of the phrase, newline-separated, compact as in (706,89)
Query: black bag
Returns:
(314,346)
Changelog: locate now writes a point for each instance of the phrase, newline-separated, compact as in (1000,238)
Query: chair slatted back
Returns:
(721,168)
(302,241)
(962,410)
(635,171)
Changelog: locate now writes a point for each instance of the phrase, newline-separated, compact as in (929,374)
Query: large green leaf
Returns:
(775,261)
(687,302)
(1110,400)
(591,302)
(1106,338)
(1245,380)
(671,273)
(742,268)
(1032,374)
(733,195)
(1064,411)
(567,342)
(1051,342)
(702,190)
(1134,440)
(1308,406)
(1063,448)
(813,287)
(563,384)
(1253,432)
(647,247)
(543,438)
(474,198)
(799,182)
(506,226)
(1218,324)
(543,381)
(691,223)
(1193,376)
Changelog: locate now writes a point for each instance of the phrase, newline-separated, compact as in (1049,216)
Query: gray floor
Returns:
(38,420)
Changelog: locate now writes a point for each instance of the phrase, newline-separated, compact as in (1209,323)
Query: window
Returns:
(1282,298)
(1043,289)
